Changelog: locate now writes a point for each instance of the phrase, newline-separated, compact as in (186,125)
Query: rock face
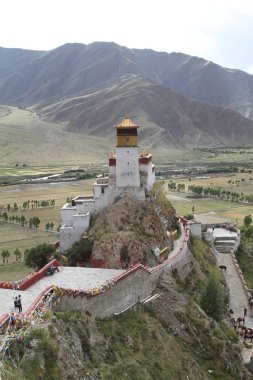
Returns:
(127,233)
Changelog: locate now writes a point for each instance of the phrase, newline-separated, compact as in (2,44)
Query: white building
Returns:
(130,174)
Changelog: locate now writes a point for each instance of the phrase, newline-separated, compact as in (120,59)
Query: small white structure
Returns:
(130,175)
(195,228)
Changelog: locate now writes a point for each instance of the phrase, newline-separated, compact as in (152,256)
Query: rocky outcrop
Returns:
(127,233)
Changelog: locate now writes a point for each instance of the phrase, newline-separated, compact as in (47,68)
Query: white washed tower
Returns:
(130,175)
(127,163)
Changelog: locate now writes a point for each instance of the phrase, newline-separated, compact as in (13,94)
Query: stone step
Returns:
(224,249)
(224,242)
(226,238)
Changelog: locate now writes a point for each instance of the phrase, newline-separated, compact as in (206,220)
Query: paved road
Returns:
(238,298)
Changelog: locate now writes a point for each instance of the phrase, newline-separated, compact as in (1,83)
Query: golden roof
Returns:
(127,123)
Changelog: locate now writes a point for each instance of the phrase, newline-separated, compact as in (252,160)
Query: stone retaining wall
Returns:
(130,287)
(125,290)
(239,271)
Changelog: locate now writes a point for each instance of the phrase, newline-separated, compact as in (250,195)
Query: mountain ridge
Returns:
(182,101)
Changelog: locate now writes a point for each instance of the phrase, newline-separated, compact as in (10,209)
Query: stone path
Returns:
(223,232)
(238,298)
(68,277)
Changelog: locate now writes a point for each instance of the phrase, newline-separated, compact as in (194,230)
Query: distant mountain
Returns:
(89,88)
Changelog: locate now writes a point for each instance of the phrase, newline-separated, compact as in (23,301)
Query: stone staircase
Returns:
(225,244)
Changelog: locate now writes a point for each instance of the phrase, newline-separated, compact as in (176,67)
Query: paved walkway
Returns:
(238,298)
(223,233)
(67,277)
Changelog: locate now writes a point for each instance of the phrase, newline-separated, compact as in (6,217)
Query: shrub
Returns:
(247,220)
(80,251)
(212,298)
(37,257)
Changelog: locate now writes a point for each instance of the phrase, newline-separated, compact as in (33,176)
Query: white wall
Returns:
(67,213)
(68,236)
(81,221)
(127,167)
(195,229)
(148,176)
(104,200)
(87,205)
(112,174)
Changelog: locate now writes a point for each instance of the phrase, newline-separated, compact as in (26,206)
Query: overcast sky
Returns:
(217,30)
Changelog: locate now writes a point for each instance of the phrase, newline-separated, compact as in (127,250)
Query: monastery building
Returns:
(130,175)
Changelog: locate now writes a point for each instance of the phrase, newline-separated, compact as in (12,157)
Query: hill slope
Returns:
(168,338)
(123,238)
(167,119)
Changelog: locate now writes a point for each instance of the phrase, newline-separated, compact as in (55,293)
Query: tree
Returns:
(5,216)
(17,253)
(37,257)
(180,187)
(212,299)
(248,232)
(189,216)
(51,225)
(8,207)
(22,220)
(80,251)
(125,257)
(15,207)
(247,220)
(5,255)
(172,185)
(36,222)
(47,226)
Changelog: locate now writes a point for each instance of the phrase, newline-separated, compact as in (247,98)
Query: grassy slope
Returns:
(244,256)
(15,271)
(24,138)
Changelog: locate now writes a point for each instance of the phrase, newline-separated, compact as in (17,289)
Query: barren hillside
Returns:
(182,101)
(128,231)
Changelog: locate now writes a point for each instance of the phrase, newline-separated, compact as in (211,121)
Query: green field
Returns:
(220,208)
(14,236)
(232,210)
(188,158)
(14,271)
